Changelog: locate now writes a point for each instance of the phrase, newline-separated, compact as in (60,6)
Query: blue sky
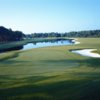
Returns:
(32,16)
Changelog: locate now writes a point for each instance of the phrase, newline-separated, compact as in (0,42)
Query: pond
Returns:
(47,43)
(39,44)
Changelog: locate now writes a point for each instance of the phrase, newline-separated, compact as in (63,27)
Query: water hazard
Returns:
(39,44)
(46,44)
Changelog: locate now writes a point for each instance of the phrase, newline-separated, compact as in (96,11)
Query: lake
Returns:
(39,44)
(46,44)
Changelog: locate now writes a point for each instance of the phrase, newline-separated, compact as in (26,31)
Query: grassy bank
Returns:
(51,73)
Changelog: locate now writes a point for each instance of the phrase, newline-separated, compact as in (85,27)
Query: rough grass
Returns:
(51,73)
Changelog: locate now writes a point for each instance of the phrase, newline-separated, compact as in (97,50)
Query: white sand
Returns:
(87,52)
(75,41)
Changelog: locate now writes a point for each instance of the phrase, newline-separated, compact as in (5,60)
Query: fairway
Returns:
(51,73)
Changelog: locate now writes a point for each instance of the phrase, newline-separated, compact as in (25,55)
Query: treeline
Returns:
(7,35)
(91,33)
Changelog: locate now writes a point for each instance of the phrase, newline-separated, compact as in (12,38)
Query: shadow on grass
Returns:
(90,62)
(93,62)
(9,56)
(83,89)
(9,62)
(61,63)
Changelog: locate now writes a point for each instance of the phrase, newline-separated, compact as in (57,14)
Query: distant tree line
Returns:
(85,34)
(7,35)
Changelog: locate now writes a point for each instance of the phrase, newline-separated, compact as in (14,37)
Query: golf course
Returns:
(51,73)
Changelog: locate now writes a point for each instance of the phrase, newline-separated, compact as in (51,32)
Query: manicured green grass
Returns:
(51,73)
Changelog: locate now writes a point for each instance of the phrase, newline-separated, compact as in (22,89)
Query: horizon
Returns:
(44,16)
(50,32)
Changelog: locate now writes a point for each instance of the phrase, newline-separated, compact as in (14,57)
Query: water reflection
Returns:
(38,44)
(11,49)
(46,43)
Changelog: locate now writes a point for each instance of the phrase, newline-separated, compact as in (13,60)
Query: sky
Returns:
(32,16)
